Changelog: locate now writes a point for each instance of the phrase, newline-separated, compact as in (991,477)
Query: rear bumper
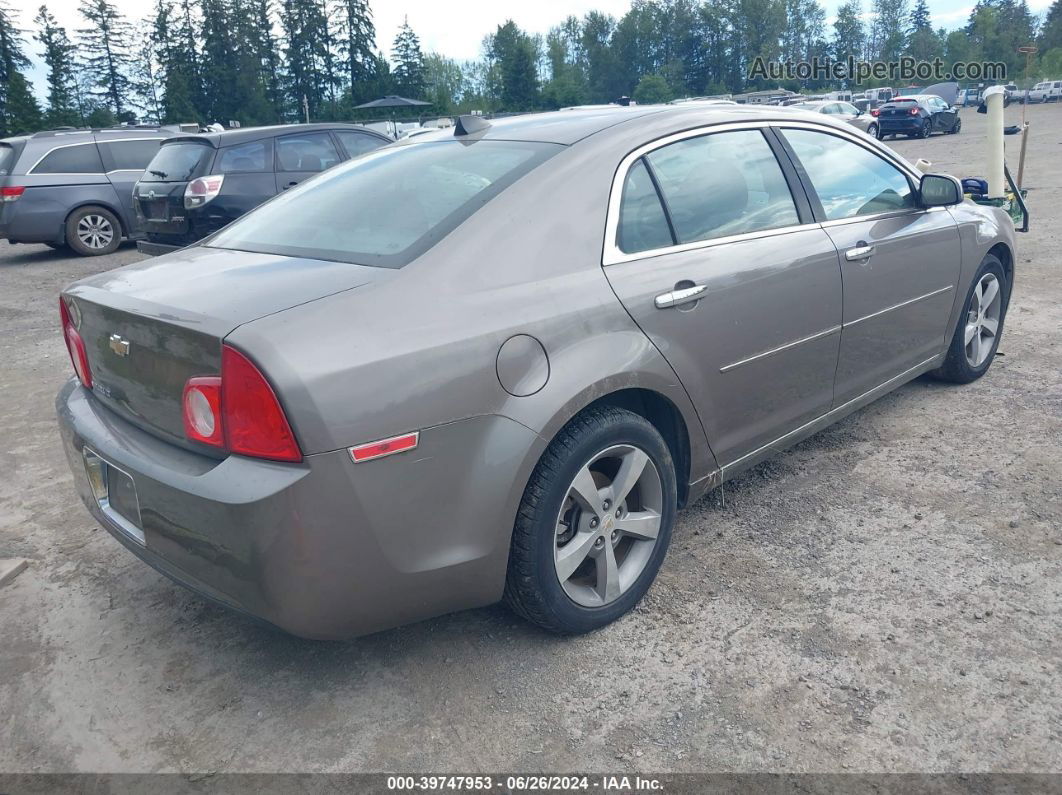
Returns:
(909,125)
(325,548)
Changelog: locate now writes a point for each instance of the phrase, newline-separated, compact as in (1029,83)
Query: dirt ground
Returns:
(885,596)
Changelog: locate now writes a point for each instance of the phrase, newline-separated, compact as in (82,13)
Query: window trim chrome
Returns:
(613,255)
(31,170)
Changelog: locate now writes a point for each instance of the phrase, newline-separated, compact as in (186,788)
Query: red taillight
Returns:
(201,407)
(75,346)
(396,444)
(875,112)
(238,411)
(202,190)
(914,111)
(11,193)
(253,420)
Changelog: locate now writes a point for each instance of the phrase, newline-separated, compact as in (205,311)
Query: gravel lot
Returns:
(885,596)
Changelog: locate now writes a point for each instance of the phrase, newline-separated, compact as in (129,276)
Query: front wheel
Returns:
(979,327)
(957,126)
(594,524)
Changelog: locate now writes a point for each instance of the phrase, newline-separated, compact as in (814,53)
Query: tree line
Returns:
(270,61)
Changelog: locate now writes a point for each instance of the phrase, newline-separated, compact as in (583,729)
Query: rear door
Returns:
(247,169)
(899,262)
(125,160)
(302,155)
(355,142)
(712,249)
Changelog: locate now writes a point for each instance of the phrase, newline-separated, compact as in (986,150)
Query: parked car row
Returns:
(90,189)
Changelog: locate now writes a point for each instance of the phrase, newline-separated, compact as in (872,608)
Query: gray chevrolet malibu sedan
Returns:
(493,363)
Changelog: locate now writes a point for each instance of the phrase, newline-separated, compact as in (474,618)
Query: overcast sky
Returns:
(455,29)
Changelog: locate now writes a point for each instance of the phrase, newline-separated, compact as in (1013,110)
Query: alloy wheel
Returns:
(95,231)
(982,320)
(608,525)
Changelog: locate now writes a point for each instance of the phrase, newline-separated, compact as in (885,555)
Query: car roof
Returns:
(570,126)
(246,134)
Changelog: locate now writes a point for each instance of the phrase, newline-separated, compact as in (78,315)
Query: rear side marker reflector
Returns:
(396,444)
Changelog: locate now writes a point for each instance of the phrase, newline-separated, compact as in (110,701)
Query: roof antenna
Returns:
(468,124)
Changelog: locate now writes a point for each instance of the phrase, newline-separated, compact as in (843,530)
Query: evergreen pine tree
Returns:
(19,111)
(58,56)
(106,48)
(357,39)
(408,70)
(176,72)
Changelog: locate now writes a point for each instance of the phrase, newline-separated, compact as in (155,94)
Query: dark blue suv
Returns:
(199,183)
(74,187)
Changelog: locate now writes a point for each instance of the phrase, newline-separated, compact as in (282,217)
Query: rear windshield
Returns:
(7,158)
(387,207)
(179,162)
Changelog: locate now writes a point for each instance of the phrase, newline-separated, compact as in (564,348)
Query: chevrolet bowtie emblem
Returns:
(119,346)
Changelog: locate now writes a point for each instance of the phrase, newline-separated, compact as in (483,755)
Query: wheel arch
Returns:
(1003,253)
(96,202)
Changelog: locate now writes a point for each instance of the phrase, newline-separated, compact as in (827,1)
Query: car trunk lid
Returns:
(149,327)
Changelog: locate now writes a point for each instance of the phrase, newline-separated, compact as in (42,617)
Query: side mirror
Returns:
(940,190)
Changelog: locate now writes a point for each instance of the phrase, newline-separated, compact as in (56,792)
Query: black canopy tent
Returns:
(392,101)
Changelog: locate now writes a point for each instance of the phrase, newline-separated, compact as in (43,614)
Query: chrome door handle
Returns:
(862,251)
(678,297)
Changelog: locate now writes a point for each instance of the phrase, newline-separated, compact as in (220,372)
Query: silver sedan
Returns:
(494,362)
(843,111)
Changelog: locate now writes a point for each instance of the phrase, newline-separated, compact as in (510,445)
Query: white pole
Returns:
(994,100)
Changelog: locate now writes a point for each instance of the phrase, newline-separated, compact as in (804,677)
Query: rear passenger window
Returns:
(642,223)
(253,156)
(131,155)
(357,143)
(723,184)
(849,180)
(309,152)
(75,159)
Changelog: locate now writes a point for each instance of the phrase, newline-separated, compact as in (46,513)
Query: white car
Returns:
(1046,91)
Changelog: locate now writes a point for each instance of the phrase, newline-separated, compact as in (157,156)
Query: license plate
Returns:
(115,494)
(157,210)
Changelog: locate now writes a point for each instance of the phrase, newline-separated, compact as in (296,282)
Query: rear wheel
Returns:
(926,129)
(594,524)
(874,132)
(979,327)
(91,231)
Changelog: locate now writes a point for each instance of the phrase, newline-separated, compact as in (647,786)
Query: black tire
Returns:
(87,249)
(532,587)
(874,131)
(956,127)
(926,130)
(956,368)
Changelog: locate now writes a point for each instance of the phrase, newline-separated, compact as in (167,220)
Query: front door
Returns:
(710,254)
(899,263)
